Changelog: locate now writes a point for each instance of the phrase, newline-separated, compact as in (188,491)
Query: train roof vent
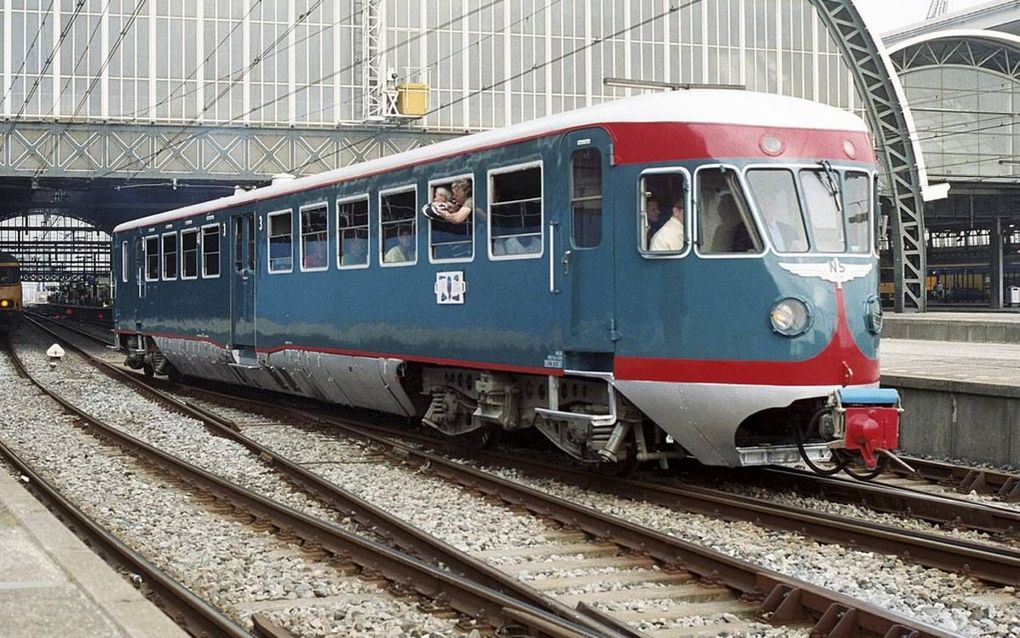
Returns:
(279,178)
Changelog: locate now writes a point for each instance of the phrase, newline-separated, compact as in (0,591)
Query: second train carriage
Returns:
(751,338)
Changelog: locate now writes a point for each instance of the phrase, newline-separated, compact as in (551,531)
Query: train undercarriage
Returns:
(584,415)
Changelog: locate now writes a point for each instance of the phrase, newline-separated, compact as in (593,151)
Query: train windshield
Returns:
(814,209)
(9,275)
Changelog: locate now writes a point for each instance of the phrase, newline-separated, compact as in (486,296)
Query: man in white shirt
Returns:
(670,238)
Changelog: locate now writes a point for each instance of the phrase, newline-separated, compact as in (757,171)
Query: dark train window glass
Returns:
(189,254)
(725,223)
(170,256)
(315,237)
(515,212)
(857,198)
(9,275)
(281,242)
(398,227)
(152,258)
(775,193)
(663,196)
(823,202)
(452,240)
(352,232)
(238,243)
(211,251)
(125,262)
(251,241)
(586,198)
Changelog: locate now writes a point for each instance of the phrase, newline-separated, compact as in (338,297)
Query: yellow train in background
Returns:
(10,292)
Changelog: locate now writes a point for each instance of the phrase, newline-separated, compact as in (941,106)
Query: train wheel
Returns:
(148,370)
(484,438)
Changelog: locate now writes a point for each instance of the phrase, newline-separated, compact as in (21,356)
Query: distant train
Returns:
(665,276)
(10,292)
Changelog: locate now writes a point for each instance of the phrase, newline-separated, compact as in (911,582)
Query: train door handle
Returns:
(565,262)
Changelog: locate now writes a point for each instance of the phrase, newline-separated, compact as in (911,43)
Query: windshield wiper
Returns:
(832,182)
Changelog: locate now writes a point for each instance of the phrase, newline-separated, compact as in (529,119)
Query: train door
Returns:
(242,284)
(585,260)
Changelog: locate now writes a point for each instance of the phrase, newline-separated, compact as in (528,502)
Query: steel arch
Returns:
(896,141)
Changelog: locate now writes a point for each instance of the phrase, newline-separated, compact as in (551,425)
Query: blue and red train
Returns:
(680,274)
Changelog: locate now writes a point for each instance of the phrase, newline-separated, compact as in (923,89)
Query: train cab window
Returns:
(189,253)
(857,198)
(586,198)
(663,212)
(151,258)
(451,240)
(211,250)
(125,257)
(515,212)
(170,256)
(775,193)
(398,227)
(281,241)
(314,237)
(725,224)
(822,199)
(352,232)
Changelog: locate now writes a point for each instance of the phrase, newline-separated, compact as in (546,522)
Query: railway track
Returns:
(465,595)
(689,581)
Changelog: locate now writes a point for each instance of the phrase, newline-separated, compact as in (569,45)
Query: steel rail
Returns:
(402,534)
(1003,485)
(458,592)
(785,599)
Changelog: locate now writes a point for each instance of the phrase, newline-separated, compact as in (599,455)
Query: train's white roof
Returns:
(705,106)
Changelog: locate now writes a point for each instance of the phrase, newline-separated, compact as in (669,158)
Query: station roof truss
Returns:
(989,50)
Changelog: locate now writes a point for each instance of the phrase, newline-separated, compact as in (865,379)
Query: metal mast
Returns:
(938,8)
(373,52)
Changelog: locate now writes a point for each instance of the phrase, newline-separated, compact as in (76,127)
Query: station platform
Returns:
(52,584)
(959,378)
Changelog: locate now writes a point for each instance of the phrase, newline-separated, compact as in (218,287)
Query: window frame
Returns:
(301,243)
(397,190)
(513,168)
(269,241)
(872,208)
(474,218)
(688,213)
(795,168)
(219,251)
(695,228)
(198,251)
(367,197)
(162,255)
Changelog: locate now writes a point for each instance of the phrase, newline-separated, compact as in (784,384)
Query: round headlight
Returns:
(875,314)
(789,317)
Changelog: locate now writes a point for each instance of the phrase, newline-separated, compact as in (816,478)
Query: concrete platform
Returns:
(971,327)
(961,399)
(51,584)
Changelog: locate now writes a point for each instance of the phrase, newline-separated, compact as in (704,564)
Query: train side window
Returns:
(449,241)
(189,253)
(211,251)
(857,198)
(169,256)
(515,212)
(586,198)
(775,193)
(352,235)
(314,237)
(398,227)
(281,241)
(125,261)
(725,223)
(663,196)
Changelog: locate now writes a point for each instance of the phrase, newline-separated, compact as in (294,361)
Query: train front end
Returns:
(758,342)
(10,292)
